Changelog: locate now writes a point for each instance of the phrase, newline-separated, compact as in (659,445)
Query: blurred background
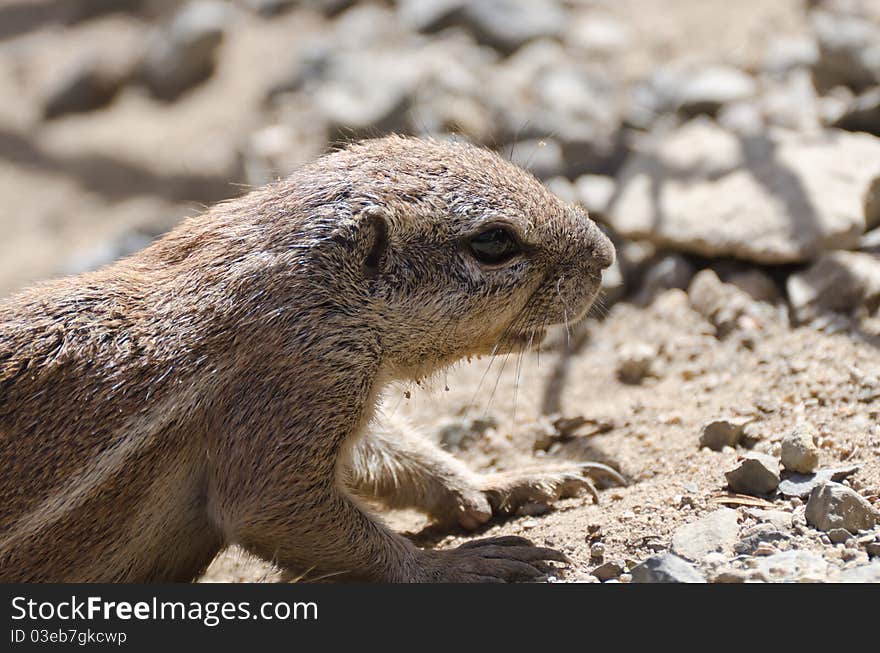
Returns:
(736,135)
(731,150)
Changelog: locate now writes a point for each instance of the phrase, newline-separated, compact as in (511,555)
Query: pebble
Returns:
(800,486)
(609,570)
(716,531)
(504,25)
(792,566)
(85,86)
(837,282)
(594,192)
(765,549)
(722,304)
(756,474)
(183,55)
(756,284)
(730,576)
(671,271)
(839,535)
(723,432)
(781,519)
(799,452)
(666,568)
(460,432)
(849,50)
(869,573)
(862,114)
(762,537)
(835,506)
(635,362)
(270,7)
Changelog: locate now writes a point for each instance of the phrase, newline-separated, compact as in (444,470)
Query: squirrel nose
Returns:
(601,250)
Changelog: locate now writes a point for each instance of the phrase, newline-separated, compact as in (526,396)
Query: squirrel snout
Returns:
(601,250)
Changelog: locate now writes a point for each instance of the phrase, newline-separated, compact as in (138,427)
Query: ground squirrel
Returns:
(218,387)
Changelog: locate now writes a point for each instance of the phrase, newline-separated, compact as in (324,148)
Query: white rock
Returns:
(777,197)
(838,282)
(717,531)
(799,452)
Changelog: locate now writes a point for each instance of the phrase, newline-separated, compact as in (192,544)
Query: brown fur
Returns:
(213,388)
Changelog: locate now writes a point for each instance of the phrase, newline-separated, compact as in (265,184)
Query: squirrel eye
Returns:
(494,246)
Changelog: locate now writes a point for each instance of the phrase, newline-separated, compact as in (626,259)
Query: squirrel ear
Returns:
(375,241)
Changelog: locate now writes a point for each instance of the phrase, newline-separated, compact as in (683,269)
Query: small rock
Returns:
(849,51)
(765,549)
(611,569)
(870,242)
(428,15)
(597,551)
(799,452)
(862,114)
(793,566)
(838,282)
(720,303)
(506,25)
(542,93)
(723,432)
(364,93)
(712,87)
(758,537)
(833,505)
(86,86)
(862,574)
(635,362)
(779,519)
(671,271)
(563,189)
(533,509)
(787,54)
(839,535)
(730,576)
(270,7)
(714,559)
(666,568)
(801,485)
(792,103)
(756,474)
(717,531)
(693,89)
(183,55)
(755,284)
(598,35)
(550,429)
(458,433)
(594,192)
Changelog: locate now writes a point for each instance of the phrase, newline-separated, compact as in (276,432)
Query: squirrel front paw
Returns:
(505,559)
(476,501)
